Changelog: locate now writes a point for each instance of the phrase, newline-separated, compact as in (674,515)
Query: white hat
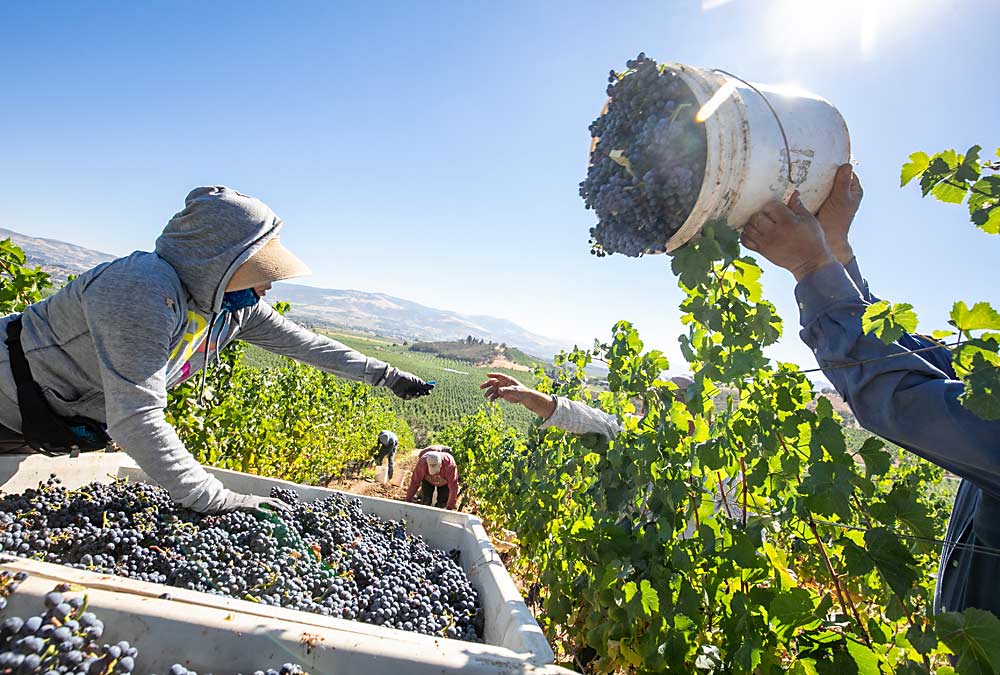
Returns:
(683,380)
(272,263)
(433,463)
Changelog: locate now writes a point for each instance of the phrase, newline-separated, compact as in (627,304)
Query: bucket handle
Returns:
(784,137)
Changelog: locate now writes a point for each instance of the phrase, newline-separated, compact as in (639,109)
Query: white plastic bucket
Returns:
(763,142)
(382,474)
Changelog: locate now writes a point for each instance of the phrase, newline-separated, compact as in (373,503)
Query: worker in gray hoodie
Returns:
(93,362)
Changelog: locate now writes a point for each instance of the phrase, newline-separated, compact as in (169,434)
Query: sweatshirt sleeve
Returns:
(578,418)
(419,472)
(131,334)
(269,330)
(895,393)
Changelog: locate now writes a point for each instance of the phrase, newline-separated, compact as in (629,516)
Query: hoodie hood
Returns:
(218,230)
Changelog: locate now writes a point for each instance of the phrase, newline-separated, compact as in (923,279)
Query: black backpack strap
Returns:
(42,428)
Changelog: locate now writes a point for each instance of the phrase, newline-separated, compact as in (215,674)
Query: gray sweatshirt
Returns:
(111,342)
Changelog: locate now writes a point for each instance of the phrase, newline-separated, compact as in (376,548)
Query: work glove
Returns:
(406,385)
(235,501)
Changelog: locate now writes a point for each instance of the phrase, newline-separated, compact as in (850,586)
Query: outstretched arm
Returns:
(269,330)
(556,411)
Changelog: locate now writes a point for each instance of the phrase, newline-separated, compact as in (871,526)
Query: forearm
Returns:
(894,392)
(541,404)
(271,331)
(155,447)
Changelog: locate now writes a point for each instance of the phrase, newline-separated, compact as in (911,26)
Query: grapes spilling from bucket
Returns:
(326,556)
(65,638)
(647,162)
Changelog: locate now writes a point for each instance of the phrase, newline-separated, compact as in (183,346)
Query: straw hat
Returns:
(272,263)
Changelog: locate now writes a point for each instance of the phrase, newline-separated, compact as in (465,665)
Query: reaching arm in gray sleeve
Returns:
(578,418)
(269,330)
(131,335)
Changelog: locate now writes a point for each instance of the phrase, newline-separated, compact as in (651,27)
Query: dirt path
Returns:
(369,488)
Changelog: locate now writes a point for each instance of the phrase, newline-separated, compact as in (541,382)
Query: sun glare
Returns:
(796,27)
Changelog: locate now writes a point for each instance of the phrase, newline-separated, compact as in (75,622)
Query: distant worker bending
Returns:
(436,470)
(388,442)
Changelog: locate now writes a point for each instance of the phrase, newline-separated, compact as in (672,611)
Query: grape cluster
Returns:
(327,556)
(66,639)
(648,162)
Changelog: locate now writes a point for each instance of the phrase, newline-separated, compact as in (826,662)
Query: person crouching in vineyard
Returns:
(908,397)
(93,362)
(386,449)
(436,470)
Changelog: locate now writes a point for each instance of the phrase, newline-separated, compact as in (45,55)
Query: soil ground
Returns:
(403,467)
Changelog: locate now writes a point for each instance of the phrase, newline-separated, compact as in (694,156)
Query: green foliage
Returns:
(747,537)
(953,178)
(20,286)
(889,322)
(974,636)
(291,422)
(456,394)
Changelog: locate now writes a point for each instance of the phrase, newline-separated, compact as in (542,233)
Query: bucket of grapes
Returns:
(677,146)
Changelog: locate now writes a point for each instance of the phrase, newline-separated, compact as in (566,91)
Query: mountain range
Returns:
(372,313)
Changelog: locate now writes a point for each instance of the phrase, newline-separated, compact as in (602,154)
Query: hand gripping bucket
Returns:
(763,142)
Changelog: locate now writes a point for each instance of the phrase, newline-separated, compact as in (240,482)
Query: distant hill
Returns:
(370,313)
(385,315)
(57,258)
(477,352)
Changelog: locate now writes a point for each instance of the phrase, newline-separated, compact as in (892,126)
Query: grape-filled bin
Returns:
(213,633)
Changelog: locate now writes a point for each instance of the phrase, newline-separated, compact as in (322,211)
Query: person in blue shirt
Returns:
(910,398)
(386,447)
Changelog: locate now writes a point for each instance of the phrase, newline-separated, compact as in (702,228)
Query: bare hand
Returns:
(498,385)
(788,236)
(837,212)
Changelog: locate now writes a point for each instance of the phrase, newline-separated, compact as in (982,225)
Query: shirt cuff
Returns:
(827,286)
(562,408)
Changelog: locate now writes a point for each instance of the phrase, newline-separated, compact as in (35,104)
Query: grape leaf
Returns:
(974,637)
(877,460)
(922,638)
(982,385)
(889,322)
(982,316)
(919,161)
(792,609)
(649,598)
(827,489)
(893,560)
(864,657)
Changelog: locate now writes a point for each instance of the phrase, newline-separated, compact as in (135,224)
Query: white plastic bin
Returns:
(514,641)
(763,142)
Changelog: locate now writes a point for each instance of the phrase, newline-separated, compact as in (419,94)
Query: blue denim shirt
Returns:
(912,400)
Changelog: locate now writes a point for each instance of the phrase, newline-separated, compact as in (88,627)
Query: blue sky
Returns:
(433,150)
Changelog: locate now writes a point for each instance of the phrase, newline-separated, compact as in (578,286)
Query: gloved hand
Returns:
(235,501)
(406,385)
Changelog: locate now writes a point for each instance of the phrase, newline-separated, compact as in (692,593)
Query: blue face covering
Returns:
(236,300)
